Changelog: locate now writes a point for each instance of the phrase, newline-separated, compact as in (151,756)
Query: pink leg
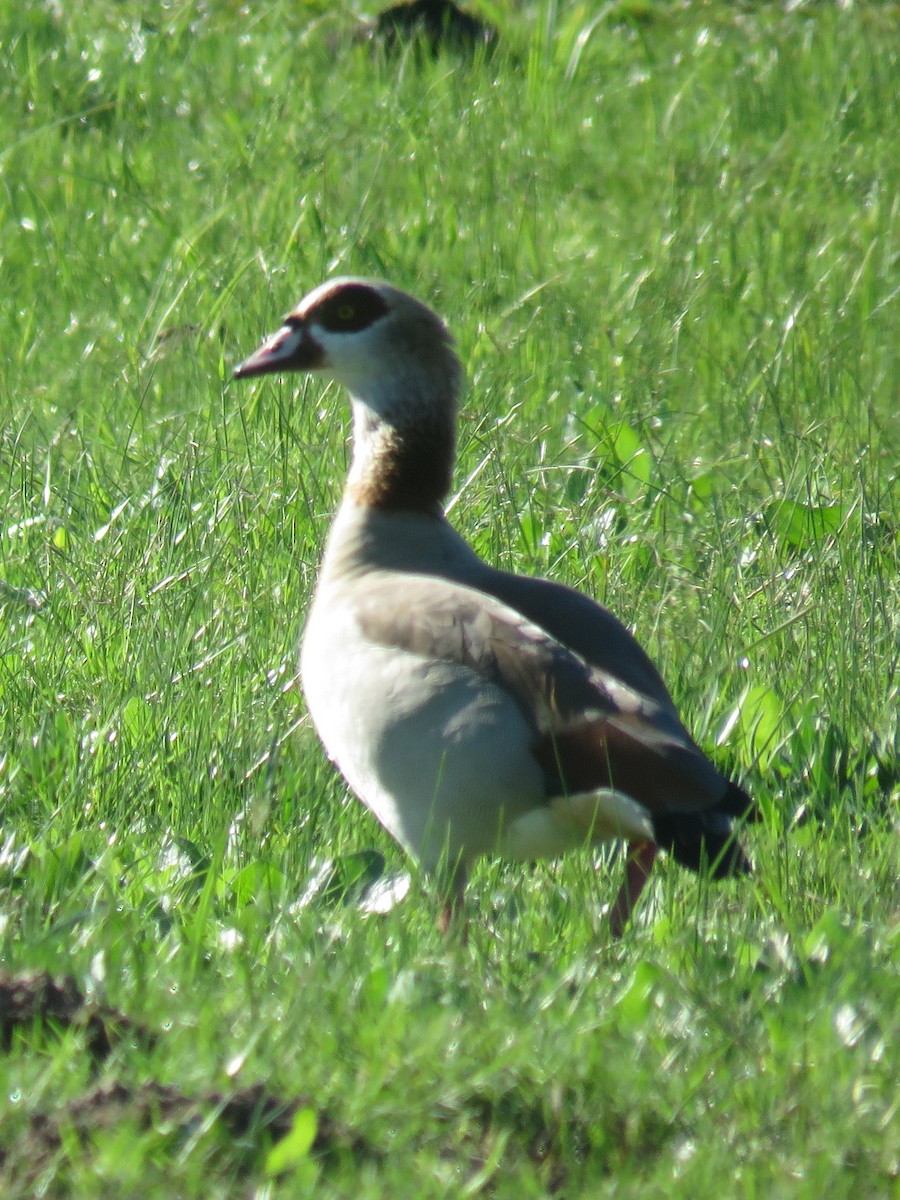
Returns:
(451,918)
(449,914)
(637,871)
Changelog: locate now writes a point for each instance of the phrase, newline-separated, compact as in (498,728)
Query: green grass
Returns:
(666,237)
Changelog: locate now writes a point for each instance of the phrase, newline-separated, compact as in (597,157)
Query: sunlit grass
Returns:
(665,237)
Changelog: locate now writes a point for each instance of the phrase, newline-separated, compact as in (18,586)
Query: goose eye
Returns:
(354,309)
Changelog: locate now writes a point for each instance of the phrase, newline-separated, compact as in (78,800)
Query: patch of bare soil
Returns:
(533,1132)
(546,1135)
(435,24)
(242,1113)
(252,1117)
(57,1003)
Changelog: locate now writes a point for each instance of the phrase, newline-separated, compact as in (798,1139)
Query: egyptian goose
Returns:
(474,712)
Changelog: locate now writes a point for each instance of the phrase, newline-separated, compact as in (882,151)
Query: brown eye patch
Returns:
(349,309)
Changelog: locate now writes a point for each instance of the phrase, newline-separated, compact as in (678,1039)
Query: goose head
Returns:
(397,361)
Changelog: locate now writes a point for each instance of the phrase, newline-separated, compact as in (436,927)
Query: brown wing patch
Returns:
(590,731)
(663,776)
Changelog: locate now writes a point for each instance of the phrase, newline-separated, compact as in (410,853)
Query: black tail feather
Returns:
(702,841)
(738,803)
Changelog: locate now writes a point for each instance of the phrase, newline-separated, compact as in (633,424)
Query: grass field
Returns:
(666,238)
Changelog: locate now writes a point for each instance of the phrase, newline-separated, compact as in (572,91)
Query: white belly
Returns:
(440,756)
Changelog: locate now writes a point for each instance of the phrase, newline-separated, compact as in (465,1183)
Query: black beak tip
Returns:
(256,364)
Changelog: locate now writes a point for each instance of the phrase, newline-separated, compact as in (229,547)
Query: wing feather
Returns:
(591,730)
